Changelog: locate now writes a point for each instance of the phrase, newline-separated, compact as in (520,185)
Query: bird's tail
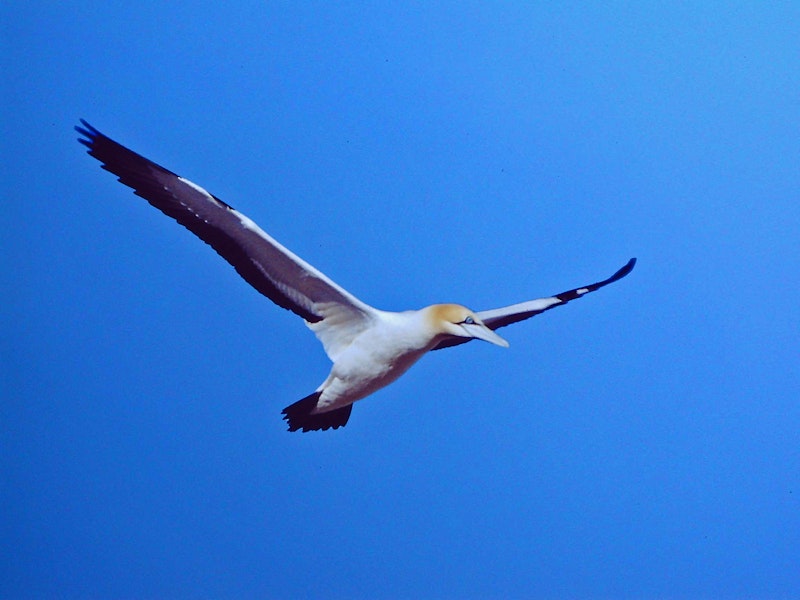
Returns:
(299,415)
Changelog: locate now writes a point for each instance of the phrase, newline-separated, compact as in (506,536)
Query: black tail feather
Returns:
(299,416)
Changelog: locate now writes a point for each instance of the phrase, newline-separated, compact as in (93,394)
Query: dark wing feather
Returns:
(270,268)
(500,317)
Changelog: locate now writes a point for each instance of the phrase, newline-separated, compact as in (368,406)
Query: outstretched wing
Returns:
(274,271)
(500,317)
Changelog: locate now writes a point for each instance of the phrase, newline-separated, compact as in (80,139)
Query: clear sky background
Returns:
(643,442)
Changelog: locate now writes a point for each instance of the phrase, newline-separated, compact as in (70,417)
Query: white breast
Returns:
(376,357)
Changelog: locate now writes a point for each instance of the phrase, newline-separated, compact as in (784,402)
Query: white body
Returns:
(376,357)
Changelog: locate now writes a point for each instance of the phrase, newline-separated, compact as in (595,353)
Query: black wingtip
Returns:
(623,271)
(88,132)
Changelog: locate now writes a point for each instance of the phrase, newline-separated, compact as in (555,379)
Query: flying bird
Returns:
(369,348)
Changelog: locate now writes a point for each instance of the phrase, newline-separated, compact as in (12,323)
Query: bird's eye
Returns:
(469,321)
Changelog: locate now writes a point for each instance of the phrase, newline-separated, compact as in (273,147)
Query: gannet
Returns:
(369,348)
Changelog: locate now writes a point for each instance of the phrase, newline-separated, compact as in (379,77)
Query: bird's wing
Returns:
(335,315)
(500,317)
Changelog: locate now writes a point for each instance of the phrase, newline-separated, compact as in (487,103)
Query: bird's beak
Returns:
(482,332)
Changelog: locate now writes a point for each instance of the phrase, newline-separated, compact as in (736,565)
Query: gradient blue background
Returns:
(641,443)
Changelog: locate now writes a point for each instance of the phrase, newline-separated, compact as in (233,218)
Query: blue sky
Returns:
(640,443)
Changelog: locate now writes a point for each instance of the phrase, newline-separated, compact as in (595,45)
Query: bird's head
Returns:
(459,321)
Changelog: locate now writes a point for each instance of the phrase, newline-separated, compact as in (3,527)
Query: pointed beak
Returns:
(482,332)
